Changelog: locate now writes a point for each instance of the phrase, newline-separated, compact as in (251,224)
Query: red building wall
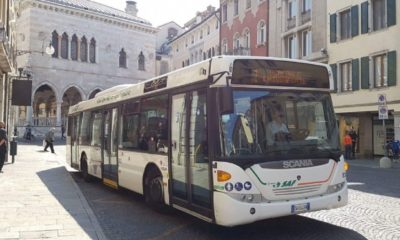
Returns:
(250,21)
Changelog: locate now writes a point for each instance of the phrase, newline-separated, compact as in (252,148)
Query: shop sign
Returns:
(383,112)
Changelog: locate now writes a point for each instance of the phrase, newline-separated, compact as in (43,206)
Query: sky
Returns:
(159,12)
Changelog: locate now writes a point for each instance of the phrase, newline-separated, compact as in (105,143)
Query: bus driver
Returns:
(277,131)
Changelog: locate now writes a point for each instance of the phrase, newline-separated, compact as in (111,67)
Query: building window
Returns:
(141,61)
(83,49)
(261,33)
(172,32)
(379,14)
(192,39)
(345,76)
(201,34)
(224,12)
(345,24)
(54,42)
(248,4)
(74,48)
(306,6)
(380,70)
(235,7)
(236,41)
(246,35)
(92,51)
(208,29)
(291,47)
(307,43)
(64,46)
(292,9)
(122,59)
(224,46)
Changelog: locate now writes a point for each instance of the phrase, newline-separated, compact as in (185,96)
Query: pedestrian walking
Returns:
(49,138)
(3,145)
(347,146)
(354,138)
(62,131)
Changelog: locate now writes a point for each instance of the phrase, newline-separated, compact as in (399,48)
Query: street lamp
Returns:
(49,50)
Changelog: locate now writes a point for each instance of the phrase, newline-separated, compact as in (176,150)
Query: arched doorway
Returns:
(70,97)
(44,107)
(93,94)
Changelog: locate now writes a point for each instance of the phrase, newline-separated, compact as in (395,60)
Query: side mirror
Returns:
(226,105)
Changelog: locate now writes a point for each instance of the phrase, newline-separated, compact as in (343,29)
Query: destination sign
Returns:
(155,84)
(279,73)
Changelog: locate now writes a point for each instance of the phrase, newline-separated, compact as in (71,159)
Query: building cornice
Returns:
(94,16)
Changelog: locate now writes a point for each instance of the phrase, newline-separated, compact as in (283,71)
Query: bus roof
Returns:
(184,76)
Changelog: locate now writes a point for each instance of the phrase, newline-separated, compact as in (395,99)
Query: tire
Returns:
(84,170)
(154,190)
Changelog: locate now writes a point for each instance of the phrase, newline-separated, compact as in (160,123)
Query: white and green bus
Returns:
(230,140)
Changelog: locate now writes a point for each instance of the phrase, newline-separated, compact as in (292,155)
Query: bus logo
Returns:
(283,184)
(297,163)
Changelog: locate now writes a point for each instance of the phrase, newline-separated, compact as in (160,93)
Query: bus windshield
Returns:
(279,124)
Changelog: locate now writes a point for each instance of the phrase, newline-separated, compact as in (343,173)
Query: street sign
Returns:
(383,112)
(382,99)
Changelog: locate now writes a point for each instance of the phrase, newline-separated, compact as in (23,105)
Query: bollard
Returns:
(13,149)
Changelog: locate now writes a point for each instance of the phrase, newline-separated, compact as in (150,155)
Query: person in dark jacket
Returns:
(49,138)
(354,138)
(3,145)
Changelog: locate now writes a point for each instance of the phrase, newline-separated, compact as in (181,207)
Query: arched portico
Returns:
(44,107)
(93,93)
(70,97)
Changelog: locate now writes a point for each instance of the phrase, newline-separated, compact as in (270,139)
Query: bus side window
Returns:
(153,133)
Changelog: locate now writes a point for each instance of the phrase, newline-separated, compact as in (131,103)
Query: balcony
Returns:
(291,23)
(241,51)
(305,16)
(5,56)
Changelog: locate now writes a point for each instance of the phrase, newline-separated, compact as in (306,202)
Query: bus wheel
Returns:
(153,189)
(84,170)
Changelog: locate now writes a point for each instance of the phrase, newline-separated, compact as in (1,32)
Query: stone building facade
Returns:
(199,42)
(6,59)
(244,27)
(96,47)
(299,29)
(363,50)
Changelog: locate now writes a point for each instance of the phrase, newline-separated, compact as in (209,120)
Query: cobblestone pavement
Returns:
(39,199)
(373,213)
(374,203)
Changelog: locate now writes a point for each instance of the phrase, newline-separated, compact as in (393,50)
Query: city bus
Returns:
(230,140)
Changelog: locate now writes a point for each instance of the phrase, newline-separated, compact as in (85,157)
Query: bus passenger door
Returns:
(74,141)
(190,167)
(109,148)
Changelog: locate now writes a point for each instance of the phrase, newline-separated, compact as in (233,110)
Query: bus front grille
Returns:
(306,190)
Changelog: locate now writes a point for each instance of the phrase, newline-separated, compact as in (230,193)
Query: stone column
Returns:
(58,114)
(29,115)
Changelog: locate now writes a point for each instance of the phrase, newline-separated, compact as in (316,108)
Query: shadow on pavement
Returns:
(375,180)
(124,215)
(59,182)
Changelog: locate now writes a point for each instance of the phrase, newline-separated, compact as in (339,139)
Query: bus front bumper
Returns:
(231,212)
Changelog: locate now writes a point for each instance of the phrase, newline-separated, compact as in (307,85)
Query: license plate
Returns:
(300,208)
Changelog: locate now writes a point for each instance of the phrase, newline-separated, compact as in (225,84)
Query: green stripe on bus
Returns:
(263,183)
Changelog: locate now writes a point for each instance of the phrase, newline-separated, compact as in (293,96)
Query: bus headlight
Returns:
(250,198)
(335,188)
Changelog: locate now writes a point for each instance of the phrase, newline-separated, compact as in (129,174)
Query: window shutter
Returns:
(334,75)
(391,58)
(355,74)
(354,21)
(364,17)
(391,12)
(365,72)
(333,28)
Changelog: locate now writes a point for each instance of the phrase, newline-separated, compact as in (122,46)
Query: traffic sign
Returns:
(383,112)
(382,99)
